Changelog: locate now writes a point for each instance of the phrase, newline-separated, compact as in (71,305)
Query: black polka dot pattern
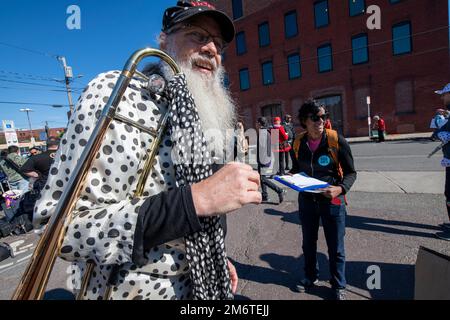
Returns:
(205,250)
(103,224)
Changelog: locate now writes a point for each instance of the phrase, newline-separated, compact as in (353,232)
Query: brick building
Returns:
(288,51)
(25,135)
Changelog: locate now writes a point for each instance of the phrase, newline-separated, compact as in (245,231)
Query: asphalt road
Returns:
(384,229)
(397,156)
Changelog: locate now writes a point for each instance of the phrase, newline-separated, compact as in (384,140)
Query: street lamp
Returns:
(27,110)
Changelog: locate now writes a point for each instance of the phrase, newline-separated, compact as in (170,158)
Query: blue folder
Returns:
(299,189)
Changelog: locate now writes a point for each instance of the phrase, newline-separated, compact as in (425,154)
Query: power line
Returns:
(32,89)
(24,76)
(34,84)
(50,55)
(33,104)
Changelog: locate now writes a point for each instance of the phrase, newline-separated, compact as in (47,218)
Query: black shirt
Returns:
(40,164)
(164,217)
(320,164)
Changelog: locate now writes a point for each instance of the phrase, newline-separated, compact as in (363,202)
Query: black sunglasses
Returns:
(316,118)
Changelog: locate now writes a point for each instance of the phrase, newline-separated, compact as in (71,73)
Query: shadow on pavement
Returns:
(383,225)
(367,223)
(397,280)
(292,217)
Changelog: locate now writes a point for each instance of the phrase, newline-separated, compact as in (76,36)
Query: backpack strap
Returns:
(15,167)
(297,142)
(333,147)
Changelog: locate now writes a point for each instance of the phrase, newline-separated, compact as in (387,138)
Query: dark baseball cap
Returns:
(185,10)
(52,141)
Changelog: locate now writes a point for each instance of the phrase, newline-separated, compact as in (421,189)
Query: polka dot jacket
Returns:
(104,222)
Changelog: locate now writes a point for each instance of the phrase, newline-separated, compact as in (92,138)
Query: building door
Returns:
(333,104)
(271,111)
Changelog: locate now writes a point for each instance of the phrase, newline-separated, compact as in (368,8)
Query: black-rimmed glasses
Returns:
(201,36)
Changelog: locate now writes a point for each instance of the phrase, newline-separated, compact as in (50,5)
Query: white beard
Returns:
(214,103)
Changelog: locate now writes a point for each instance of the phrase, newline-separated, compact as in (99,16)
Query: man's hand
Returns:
(31,174)
(233,276)
(332,192)
(229,189)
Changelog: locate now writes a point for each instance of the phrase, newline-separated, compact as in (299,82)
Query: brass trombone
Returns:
(34,281)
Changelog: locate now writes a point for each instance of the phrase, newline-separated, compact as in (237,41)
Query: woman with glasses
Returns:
(324,155)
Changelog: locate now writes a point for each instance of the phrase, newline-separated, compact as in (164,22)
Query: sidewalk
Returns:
(393,137)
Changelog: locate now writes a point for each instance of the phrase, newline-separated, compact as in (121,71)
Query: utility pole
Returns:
(27,110)
(47,129)
(369,118)
(68,77)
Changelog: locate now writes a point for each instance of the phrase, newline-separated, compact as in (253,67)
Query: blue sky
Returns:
(110,31)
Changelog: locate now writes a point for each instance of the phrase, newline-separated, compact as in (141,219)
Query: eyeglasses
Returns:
(201,36)
(316,118)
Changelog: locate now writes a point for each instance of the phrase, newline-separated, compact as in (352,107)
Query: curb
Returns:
(388,139)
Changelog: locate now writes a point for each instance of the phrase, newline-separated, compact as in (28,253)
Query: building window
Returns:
(360,49)
(244,79)
(321,16)
(267,73)
(333,104)
(241,46)
(361,108)
(237,9)
(404,96)
(290,24)
(294,66)
(401,36)
(325,58)
(264,34)
(271,111)
(356,7)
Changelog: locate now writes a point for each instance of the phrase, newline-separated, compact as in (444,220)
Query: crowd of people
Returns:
(22,180)
(169,242)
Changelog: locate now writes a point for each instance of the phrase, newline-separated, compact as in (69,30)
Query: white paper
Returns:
(302,181)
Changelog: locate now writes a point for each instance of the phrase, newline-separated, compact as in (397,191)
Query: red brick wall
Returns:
(25,135)
(249,6)
(427,67)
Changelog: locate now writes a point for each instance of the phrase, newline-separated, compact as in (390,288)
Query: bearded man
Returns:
(169,243)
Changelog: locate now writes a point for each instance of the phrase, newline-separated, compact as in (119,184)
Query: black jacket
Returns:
(320,164)
(290,131)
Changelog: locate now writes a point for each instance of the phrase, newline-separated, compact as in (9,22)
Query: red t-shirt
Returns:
(381,125)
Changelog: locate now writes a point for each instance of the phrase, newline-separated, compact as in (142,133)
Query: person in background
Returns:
(289,127)
(11,167)
(34,152)
(264,159)
(38,166)
(324,155)
(241,143)
(443,134)
(284,145)
(380,125)
(440,118)
(328,125)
